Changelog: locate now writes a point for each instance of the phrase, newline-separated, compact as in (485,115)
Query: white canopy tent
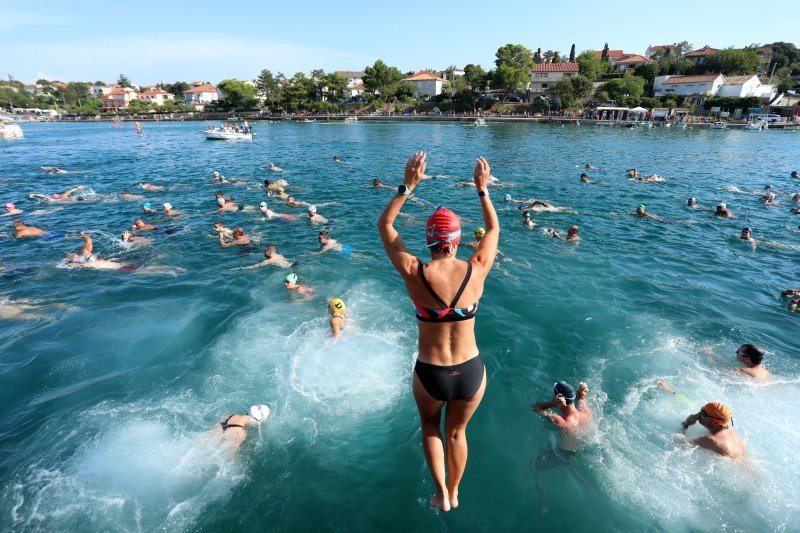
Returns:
(638,110)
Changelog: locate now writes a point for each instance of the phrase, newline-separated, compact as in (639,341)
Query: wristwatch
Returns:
(405,191)
(482,193)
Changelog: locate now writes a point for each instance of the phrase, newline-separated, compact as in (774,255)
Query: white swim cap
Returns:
(216,174)
(693,199)
(167,205)
(312,209)
(263,204)
(259,412)
(221,201)
(723,205)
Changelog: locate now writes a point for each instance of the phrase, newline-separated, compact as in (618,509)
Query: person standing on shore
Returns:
(449,369)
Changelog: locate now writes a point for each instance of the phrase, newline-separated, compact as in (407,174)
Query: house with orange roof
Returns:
(200,96)
(355,81)
(117,98)
(629,62)
(662,49)
(155,96)
(612,54)
(426,84)
(544,75)
(701,55)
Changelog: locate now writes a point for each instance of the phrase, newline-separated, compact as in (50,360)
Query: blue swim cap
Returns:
(564,389)
(507,197)
(147,205)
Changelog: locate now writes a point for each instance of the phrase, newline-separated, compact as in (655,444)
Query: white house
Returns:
(426,84)
(687,85)
(201,95)
(118,98)
(545,75)
(355,81)
(155,96)
(745,86)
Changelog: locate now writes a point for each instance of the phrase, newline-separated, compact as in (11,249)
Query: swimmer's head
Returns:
(722,206)
(220,201)
(770,196)
(290,199)
(10,206)
(71,257)
(147,205)
(746,233)
(323,237)
(692,201)
(56,196)
(18,224)
(479,233)
(259,412)
(750,353)
(266,183)
(125,191)
(506,197)
(280,190)
(564,389)
(167,206)
(717,413)
(290,278)
(216,174)
(336,305)
(263,205)
(794,173)
(238,232)
(768,187)
(312,209)
(269,251)
(573,230)
(526,215)
(641,208)
(443,230)
(376,182)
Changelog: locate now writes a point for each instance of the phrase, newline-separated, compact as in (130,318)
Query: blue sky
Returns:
(168,41)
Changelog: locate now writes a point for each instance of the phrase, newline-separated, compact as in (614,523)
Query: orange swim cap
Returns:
(718,412)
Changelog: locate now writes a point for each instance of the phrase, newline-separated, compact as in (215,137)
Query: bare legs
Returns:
(457,416)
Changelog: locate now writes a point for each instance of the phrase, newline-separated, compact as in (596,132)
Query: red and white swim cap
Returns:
(443,228)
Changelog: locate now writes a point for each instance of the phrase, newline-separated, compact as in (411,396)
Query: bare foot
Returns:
(439,502)
(453,499)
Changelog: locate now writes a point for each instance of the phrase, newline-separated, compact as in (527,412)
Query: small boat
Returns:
(226,133)
(719,126)
(10,131)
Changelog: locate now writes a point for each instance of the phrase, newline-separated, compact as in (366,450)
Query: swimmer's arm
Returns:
(487,247)
(66,193)
(257,265)
(395,248)
(87,244)
(541,407)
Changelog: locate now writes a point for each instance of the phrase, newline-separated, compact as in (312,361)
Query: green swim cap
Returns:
(291,278)
(641,207)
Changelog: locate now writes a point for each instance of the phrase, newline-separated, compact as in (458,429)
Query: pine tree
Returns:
(604,57)
(537,57)
(572,53)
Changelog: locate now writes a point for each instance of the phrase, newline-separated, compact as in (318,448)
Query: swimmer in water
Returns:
(23,231)
(794,298)
(526,220)
(479,233)
(11,210)
(147,207)
(296,203)
(795,197)
(233,430)
(127,195)
(337,160)
(139,225)
(585,178)
(314,217)
(571,425)
(280,192)
(129,238)
(327,243)
(87,259)
(53,170)
(589,166)
(449,370)
(747,236)
(290,282)
(220,194)
(270,214)
(272,185)
(794,174)
(271,258)
(337,309)
(219,179)
(150,187)
(274,168)
(717,418)
(769,199)
(169,212)
(692,202)
(534,203)
(641,212)
(509,200)
(57,197)
(223,205)
(239,239)
(221,231)
(376,183)
(722,211)
(20,309)
(572,234)
(632,172)
(751,356)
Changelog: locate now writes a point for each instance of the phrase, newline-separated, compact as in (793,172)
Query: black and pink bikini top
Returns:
(448,313)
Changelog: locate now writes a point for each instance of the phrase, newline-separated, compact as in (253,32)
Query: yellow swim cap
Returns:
(479,232)
(280,190)
(718,413)
(337,305)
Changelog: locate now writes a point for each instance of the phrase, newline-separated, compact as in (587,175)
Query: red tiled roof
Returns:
(556,67)
(702,52)
(691,79)
(634,58)
(351,73)
(736,80)
(202,89)
(357,87)
(423,75)
(613,54)
(661,47)
(153,92)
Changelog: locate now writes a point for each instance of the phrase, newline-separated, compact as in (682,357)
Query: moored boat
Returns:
(229,133)
(719,126)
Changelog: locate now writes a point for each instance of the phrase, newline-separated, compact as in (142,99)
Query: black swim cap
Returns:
(565,389)
(751,351)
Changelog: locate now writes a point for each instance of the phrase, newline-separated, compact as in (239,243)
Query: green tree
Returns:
(685,48)
(648,71)
(581,86)
(124,81)
(475,76)
(334,86)
(177,89)
(74,93)
(592,66)
(268,87)
(381,79)
(572,53)
(537,57)
(626,90)
(236,95)
(100,83)
(733,61)
(604,55)
(514,64)
(562,90)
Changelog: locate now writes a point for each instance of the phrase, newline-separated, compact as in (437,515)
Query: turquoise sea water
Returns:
(105,404)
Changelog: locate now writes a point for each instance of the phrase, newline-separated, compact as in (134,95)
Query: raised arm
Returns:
(483,258)
(395,248)
(87,244)
(541,409)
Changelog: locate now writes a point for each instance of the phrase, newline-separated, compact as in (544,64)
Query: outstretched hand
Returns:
(583,390)
(415,169)
(482,174)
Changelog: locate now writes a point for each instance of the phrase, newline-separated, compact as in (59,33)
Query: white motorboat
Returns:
(9,130)
(228,134)
(719,126)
